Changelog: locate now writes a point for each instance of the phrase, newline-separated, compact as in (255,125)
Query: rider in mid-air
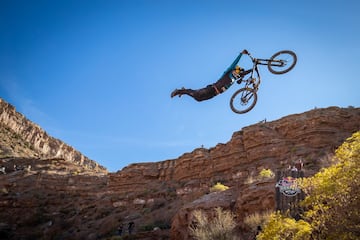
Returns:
(232,74)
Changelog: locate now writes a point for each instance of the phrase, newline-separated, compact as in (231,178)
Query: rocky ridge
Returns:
(30,140)
(60,199)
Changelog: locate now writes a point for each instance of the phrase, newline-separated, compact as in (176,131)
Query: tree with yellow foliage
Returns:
(333,195)
(285,228)
(331,207)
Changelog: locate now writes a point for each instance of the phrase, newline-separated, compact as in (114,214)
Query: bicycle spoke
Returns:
(282,62)
(243,100)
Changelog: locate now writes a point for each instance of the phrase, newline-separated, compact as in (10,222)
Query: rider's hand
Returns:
(245,52)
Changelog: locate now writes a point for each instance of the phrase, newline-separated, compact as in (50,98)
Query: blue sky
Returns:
(98,74)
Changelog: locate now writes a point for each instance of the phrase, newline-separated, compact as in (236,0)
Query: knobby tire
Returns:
(249,100)
(283,55)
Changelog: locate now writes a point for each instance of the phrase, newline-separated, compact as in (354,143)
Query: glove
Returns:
(245,52)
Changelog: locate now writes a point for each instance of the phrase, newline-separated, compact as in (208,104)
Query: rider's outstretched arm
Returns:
(237,59)
(244,73)
(232,66)
(235,62)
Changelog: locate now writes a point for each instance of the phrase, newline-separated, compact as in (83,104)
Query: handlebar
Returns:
(249,54)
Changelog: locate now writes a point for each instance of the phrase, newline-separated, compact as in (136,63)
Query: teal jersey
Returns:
(232,66)
(226,79)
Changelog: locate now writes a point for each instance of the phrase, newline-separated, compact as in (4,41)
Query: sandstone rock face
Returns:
(62,199)
(39,142)
(182,220)
(50,198)
(310,136)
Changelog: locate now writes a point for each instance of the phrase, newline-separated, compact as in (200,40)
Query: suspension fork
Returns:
(257,83)
(255,76)
(255,69)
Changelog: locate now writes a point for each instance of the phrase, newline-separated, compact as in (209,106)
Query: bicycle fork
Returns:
(255,82)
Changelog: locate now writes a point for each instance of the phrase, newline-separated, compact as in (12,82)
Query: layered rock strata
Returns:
(61,198)
(39,143)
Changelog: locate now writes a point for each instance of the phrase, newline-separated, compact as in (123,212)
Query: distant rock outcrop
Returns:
(36,142)
(58,198)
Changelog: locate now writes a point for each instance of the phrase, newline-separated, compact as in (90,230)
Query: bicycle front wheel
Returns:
(243,100)
(282,62)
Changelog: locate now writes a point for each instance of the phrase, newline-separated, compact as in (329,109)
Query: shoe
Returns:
(174,93)
(180,92)
(177,92)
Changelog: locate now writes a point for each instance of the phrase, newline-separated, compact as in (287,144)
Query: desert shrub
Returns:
(146,210)
(266,173)
(220,227)
(282,227)
(147,227)
(257,219)
(263,174)
(218,187)
(4,190)
(250,179)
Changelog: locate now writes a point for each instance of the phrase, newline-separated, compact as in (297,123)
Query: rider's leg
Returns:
(204,93)
(199,95)
(179,92)
(196,94)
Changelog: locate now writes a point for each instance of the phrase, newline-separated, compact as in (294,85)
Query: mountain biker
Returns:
(231,74)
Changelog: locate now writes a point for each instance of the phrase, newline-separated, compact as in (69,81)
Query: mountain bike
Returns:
(244,99)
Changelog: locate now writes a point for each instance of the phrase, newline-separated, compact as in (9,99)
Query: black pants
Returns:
(200,94)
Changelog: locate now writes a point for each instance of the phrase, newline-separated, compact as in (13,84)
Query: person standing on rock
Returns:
(131,227)
(120,229)
(231,74)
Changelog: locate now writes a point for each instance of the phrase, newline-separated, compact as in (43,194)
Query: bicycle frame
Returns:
(255,70)
(245,98)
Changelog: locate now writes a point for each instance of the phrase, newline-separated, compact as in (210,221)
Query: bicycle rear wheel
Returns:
(243,100)
(282,62)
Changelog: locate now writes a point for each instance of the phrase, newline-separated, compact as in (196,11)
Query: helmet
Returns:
(238,69)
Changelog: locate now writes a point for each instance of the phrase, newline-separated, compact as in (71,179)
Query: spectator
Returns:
(131,227)
(299,164)
(294,169)
(120,229)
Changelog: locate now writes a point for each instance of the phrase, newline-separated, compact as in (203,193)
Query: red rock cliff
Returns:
(58,198)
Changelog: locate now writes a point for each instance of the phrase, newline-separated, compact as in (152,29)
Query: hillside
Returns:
(21,137)
(57,193)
